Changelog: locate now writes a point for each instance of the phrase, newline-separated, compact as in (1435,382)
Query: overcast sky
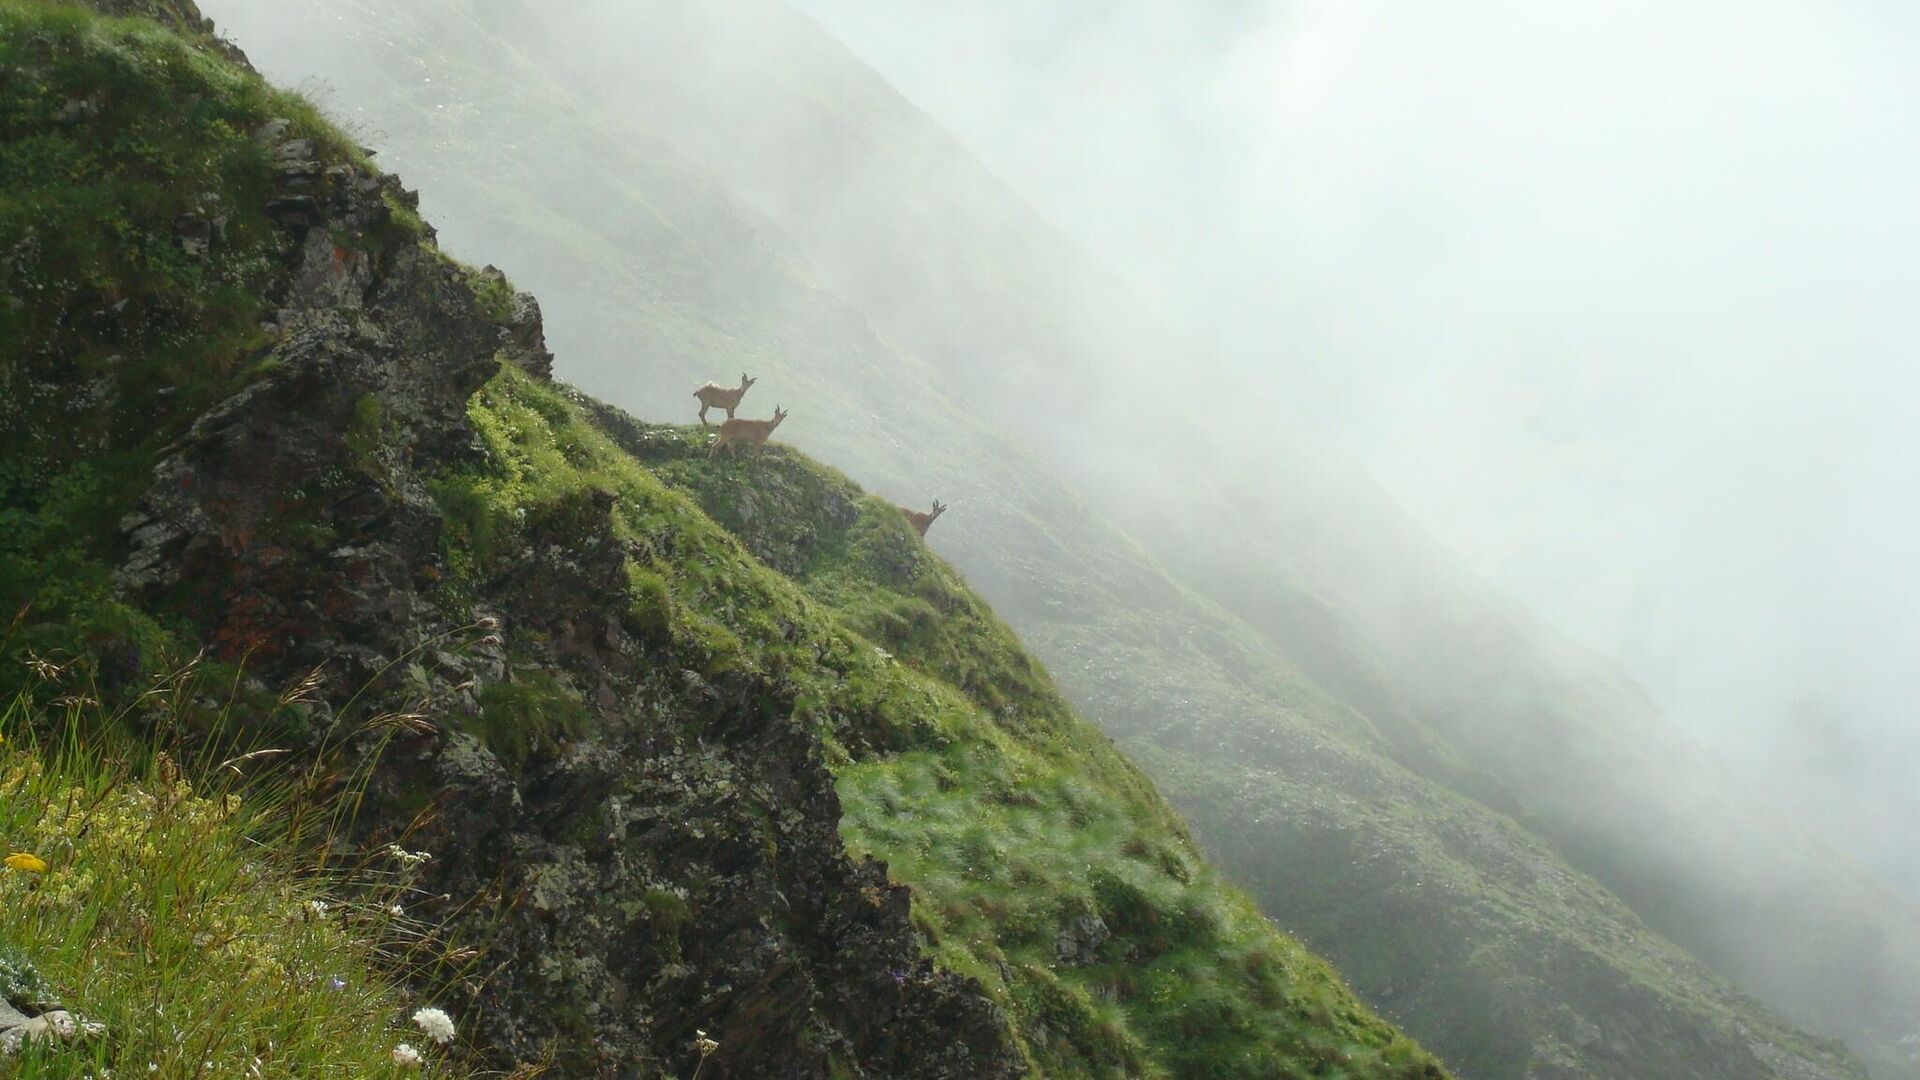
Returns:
(1621,300)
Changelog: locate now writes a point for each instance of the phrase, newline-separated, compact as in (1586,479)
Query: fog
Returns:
(1610,302)
(1614,300)
(1617,300)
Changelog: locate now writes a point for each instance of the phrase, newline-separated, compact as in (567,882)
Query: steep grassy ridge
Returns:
(1025,331)
(1453,919)
(137,247)
(1458,914)
(1020,328)
(226,372)
(617,729)
(1041,862)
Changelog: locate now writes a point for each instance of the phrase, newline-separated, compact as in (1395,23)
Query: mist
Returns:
(1303,377)
(1615,300)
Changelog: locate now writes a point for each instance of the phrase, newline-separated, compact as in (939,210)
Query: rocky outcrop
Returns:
(644,853)
(181,15)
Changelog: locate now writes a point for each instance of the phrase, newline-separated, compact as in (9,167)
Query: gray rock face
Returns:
(52,1026)
(1078,943)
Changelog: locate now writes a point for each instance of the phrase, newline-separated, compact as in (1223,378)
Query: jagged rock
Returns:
(294,211)
(77,109)
(195,233)
(54,1025)
(1078,943)
(526,337)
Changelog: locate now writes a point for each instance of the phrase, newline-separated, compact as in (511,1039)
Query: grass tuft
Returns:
(196,923)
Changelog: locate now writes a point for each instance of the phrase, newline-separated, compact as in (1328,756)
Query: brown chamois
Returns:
(919,520)
(715,396)
(747,431)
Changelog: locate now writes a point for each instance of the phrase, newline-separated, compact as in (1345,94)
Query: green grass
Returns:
(178,917)
(694,592)
(958,762)
(112,133)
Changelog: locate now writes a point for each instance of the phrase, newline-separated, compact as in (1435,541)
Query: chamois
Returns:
(715,396)
(920,521)
(747,431)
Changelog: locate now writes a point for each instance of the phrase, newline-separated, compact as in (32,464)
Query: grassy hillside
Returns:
(250,433)
(1600,772)
(1451,918)
(1459,914)
(1020,329)
(1041,862)
(186,931)
(133,205)
(1023,330)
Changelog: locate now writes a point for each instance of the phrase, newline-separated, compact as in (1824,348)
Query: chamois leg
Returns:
(703,413)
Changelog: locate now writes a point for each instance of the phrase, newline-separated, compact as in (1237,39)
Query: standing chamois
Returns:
(747,431)
(920,521)
(715,396)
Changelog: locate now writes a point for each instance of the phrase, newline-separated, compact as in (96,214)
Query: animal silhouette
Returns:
(753,432)
(920,521)
(715,396)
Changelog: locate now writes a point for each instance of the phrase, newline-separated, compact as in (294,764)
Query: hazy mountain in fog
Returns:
(696,188)
(1620,313)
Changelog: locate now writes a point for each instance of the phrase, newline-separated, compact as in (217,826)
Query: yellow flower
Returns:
(32,864)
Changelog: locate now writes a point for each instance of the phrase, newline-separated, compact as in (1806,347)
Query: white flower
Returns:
(436,1023)
(397,911)
(407,858)
(318,908)
(406,1055)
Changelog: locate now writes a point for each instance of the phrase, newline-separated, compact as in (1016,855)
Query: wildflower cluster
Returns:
(435,1024)
(153,911)
(407,859)
(707,1047)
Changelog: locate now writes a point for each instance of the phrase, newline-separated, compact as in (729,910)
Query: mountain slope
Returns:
(1022,330)
(657,275)
(272,421)
(1584,755)
(1591,761)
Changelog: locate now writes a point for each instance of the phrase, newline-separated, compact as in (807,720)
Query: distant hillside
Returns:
(659,272)
(951,266)
(1604,777)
